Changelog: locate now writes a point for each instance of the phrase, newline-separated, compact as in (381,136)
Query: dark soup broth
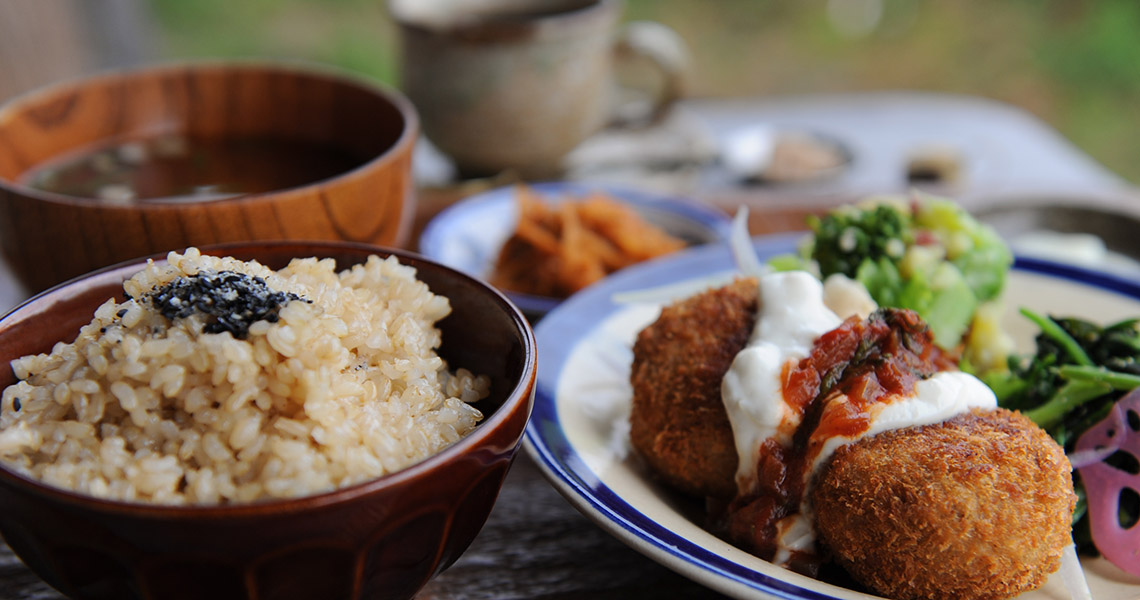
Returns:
(175,168)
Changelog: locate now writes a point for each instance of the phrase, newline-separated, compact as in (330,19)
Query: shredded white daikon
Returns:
(741,244)
(1074,575)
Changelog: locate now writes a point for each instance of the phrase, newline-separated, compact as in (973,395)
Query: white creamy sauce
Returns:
(937,399)
(792,315)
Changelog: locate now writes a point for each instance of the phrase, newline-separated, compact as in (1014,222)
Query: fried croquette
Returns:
(977,507)
(678,421)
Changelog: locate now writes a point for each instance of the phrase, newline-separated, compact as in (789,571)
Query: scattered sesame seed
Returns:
(232,301)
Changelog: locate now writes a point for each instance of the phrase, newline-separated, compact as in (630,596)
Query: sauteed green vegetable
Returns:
(1080,370)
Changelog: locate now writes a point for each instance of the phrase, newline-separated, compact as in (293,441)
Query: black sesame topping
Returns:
(16,405)
(122,311)
(232,301)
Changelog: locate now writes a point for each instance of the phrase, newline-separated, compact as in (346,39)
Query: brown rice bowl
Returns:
(340,385)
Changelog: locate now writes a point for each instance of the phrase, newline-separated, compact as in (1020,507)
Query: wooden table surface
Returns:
(535,544)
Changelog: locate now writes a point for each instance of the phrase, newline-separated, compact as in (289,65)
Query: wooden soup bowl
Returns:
(384,538)
(48,238)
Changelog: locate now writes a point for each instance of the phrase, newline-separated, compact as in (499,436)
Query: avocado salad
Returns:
(924,253)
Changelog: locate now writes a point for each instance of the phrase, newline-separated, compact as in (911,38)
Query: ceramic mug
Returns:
(517,84)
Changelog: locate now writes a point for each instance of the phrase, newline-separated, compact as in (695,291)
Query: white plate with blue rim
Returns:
(578,433)
(468,234)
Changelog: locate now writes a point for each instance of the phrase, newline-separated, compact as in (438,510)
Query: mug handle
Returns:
(668,53)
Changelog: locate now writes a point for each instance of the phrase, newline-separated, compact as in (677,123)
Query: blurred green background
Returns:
(1073,63)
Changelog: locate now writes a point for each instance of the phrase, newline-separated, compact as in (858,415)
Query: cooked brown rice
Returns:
(343,387)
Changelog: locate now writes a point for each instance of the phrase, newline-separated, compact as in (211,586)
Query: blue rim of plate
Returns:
(546,442)
(449,219)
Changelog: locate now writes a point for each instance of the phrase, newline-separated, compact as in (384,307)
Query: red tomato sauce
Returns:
(833,392)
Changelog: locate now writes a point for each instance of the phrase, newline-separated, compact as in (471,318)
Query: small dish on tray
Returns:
(468,234)
(578,433)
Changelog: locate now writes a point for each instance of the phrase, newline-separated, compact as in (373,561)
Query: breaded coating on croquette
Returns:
(975,508)
(678,421)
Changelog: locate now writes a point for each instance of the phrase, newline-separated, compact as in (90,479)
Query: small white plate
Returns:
(468,234)
(578,433)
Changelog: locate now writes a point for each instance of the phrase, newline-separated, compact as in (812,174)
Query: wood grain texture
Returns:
(49,238)
(534,546)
